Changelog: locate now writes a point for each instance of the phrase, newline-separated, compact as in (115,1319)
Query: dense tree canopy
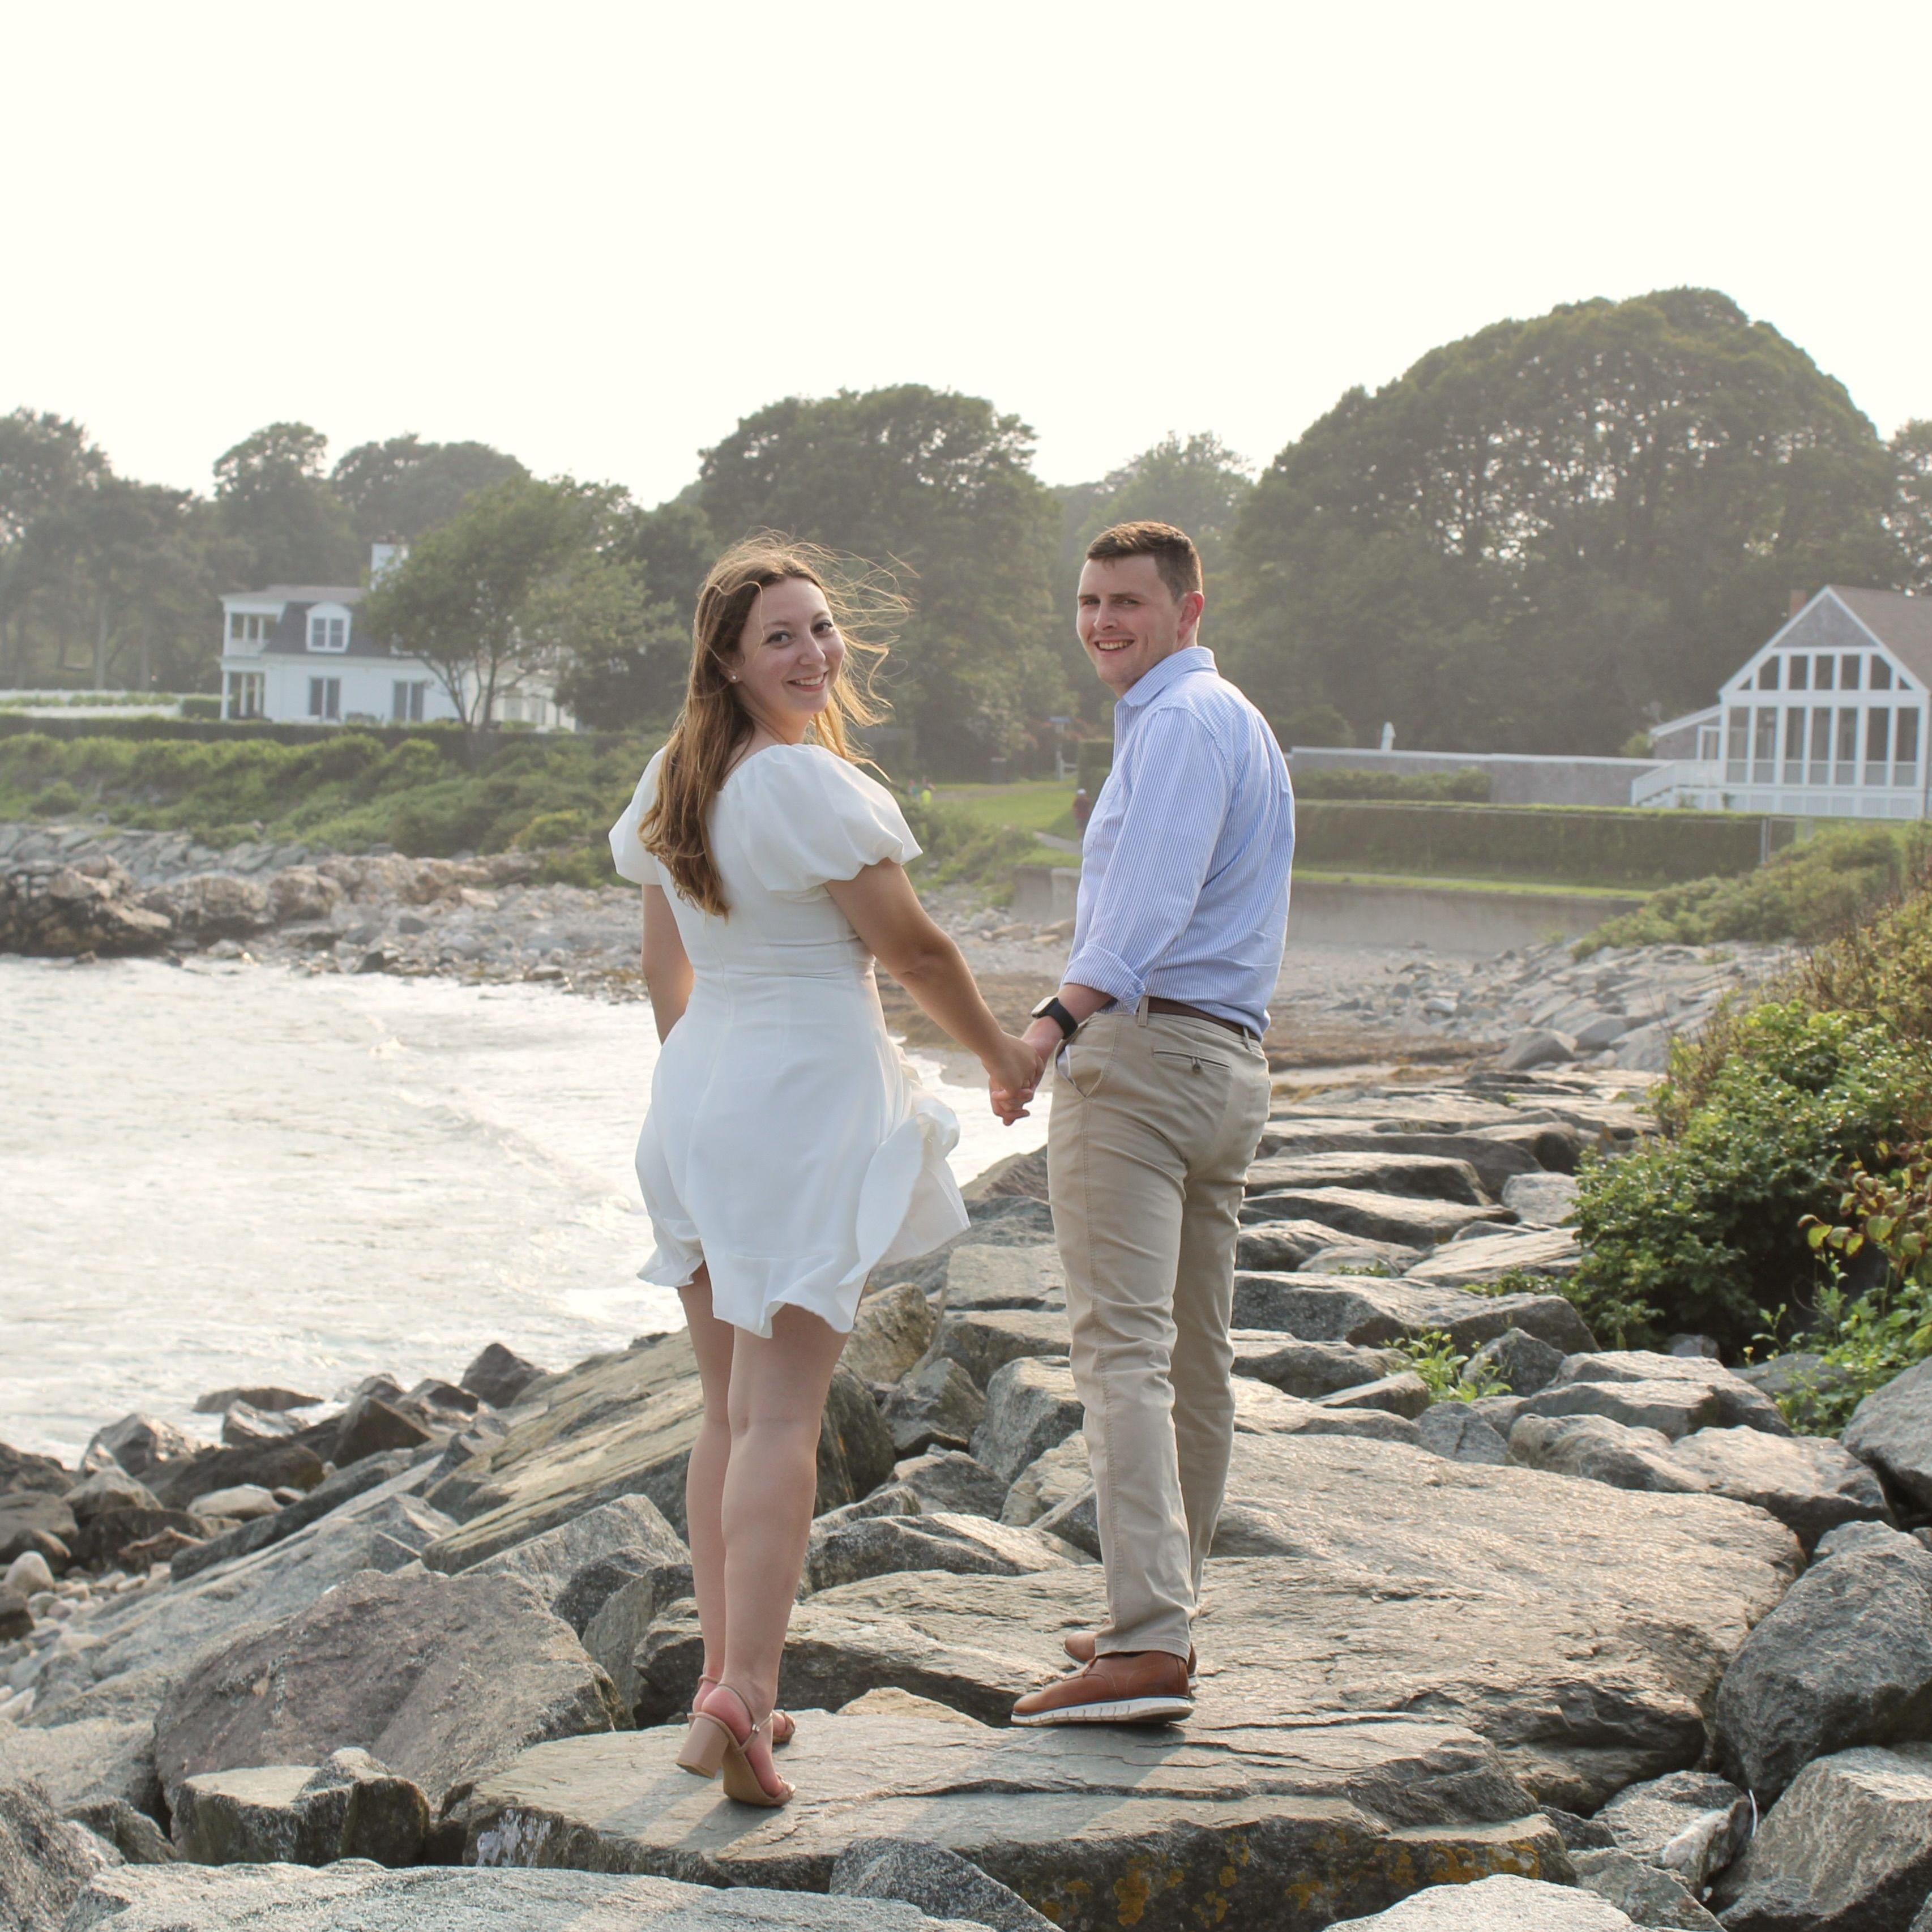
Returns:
(402,487)
(273,499)
(1198,484)
(1911,518)
(938,488)
(1554,531)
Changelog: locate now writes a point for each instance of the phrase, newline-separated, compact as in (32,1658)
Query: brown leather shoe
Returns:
(1126,1687)
(1078,1645)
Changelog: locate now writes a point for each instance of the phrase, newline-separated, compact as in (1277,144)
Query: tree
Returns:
(939,488)
(503,590)
(1199,485)
(1553,532)
(405,487)
(45,460)
(272,496)
(1911,514)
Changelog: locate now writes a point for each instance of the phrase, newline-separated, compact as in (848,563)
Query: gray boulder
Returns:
(1260,1409)
(1643,1893)
(434,1898)
(1310,1370)
(1077,1522)
(241,1426)
(1848,1848)
(1689,1822)
(1454,1429)
(438,1676)
(938,1881)
(46,1863)
(1502,1903)
(1737,1404)
(1031,1407)
(1521,1363)
(109,1488)
(612,1637)
(964,1546)
(1411,1221)
(892,1329)
(1669,1408)
(1891,1429)
(1006,1277)
(268,1397)
(1354,1254)
(132,1833)
(1404,1393)
(32,1521)
(982,1341)
(1811,1483)
(1845,1659)
(499,1376)
(578,1566)
(1537,1047)
(1600,1450)
(1372,1313)
(353,1807)
(330,1494)
(1280,1247)
(1048,1481)
(938,1408)
(1543,1200)
(95,1761)
(855,1447)
(1370,1171)
(138,1442)
(1479,1256)
(952,1480)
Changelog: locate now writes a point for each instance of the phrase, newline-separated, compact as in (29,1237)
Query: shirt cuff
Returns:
(1106,972)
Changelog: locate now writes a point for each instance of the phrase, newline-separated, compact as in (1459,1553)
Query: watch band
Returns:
(1050,1008)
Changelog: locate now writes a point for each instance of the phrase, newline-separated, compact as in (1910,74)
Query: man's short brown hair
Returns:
(1173,551)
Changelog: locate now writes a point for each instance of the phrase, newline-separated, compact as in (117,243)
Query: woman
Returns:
(787,1150)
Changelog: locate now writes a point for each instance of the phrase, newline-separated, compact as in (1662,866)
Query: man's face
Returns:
(1129,620)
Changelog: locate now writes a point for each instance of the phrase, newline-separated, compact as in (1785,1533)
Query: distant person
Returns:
(787,1150)
(1083,810)
(1160,1093)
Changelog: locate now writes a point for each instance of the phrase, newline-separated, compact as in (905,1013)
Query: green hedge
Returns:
(1608,845)
(1094,760)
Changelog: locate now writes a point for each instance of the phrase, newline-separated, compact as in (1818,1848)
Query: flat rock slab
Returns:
(1549,1252)
(1415,1221)
(1371,1311)
(1583,1630)
(1501,1904)
(1428,1177)
(1098,1827)
(1495,1162)
(294,1898)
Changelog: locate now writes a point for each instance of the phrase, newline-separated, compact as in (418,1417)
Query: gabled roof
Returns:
(307,593)
(1902,624)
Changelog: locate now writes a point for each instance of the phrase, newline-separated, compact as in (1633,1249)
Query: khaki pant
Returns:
(1155,1119)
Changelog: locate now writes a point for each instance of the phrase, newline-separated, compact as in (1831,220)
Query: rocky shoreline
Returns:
(1529,1643)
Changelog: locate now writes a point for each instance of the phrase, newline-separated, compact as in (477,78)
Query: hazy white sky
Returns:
(596,234)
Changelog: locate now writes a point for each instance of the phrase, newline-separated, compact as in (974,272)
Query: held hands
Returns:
(1012,1072)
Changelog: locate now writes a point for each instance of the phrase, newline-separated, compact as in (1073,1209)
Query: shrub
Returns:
(1436,1359)
(1092,763)
(1469,786)
(201,707)
(1702,1230)
(57,801)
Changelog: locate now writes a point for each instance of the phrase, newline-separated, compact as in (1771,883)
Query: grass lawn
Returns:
(1035,804)
(1342,875)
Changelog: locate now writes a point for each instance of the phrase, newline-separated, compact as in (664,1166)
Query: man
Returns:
(1160,1093)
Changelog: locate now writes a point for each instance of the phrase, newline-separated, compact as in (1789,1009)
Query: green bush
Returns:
(56,802)
(1469,786)
(201,707)
(1091,764)
(1599,846)
(1701,1231)
(1805,892)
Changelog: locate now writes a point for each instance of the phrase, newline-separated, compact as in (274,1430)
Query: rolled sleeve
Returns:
(1176,797)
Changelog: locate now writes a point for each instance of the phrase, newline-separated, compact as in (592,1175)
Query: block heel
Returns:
(707,1745)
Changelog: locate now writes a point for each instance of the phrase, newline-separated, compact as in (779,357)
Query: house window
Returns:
(1794,745)
(1881,674)
(1801,673)
(1737,758)
(1878,744)
(245,693)
(1821,746)
(324,698)
(1710,738)
(1767,675)
(1848,670)
(1845,770)
(407,706)
(235,625)
(328,634)
(1905,752)
(1764,747)
(1823,670)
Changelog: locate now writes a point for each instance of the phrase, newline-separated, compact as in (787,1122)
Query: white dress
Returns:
(788,1145)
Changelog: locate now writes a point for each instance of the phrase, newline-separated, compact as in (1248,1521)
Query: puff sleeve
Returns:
(627,849)
(813,817)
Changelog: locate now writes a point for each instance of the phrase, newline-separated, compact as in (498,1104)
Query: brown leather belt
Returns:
(1181,1010)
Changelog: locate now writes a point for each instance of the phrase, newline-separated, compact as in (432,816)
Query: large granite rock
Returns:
(1048,1481)
(1846,1659)
(964,1545)
(1373,1312)
(1006,1277)
(1310,1370)
(1502,1904)
(1645,1894)
(982,1341)
(1735,1403)
(1031,1407)
(439,1677)
(63,911)
(1848,1848)
(1453,1429)
(575,1567)
(352,1806)
(855,1446)
(952,1480)
(327,1495)
(1477,1258)
(1595,1449)
(46,1863)
(1891,1429)
(285,1463)
(892,1329)
(32,1519)
(1520,1362)
(22,1469)
(298,1898)
(938,1408)
(1372,1171)
(139,1443)
(96,1761)
(1095,1827)
(1690,1823)
(1811,1483)
(1411,1220)
(499,1376)
(1494,1161)
(921,1874)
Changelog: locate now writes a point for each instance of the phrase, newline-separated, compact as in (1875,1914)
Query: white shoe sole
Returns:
(1122,1711)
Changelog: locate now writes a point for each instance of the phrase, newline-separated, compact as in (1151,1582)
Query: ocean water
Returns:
(218,1173)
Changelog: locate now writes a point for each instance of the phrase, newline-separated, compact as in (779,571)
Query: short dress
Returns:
(788,1145)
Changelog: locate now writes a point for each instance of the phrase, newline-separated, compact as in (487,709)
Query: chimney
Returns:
(1799,598)
(383,556)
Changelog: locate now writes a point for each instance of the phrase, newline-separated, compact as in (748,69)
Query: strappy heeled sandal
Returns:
(712,1746)
(784,1726)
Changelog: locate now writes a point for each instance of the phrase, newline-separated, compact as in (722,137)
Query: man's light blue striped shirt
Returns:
(1184,870)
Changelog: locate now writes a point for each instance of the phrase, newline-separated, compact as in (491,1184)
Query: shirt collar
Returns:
(1151,684)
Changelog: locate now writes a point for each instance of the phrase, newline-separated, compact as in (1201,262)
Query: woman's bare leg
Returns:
(712,1342)
(778,1398)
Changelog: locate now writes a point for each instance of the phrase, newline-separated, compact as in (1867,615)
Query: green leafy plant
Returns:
(1445,1368)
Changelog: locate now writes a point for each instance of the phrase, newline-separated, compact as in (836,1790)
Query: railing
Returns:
(1683,774)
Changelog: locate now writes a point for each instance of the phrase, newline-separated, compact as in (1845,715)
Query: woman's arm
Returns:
(885,914)
(666,965)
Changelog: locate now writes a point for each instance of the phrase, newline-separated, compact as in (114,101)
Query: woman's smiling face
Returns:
(788,657)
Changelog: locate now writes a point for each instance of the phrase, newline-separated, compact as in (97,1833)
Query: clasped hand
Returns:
(1012,1074)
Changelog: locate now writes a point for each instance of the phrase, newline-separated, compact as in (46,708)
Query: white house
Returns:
(1826,719)
(298,653)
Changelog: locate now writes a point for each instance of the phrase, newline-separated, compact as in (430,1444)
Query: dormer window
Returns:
(246,627)
(328,633)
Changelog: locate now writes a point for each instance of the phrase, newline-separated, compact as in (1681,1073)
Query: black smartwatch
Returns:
(1050,1008)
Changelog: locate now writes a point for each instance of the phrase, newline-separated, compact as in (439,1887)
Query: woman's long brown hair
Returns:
(713,725)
